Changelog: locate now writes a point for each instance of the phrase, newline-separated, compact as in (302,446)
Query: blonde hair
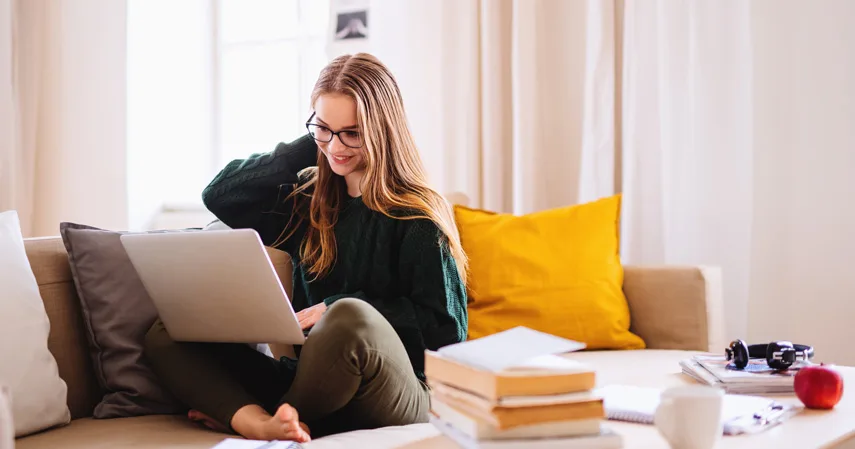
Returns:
(395,178)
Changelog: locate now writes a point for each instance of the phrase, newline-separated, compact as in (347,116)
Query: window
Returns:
(210,81)
(269,54)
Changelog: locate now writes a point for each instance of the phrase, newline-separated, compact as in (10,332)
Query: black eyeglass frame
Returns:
(333,134)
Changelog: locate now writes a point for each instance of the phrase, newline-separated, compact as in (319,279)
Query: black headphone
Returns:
(779,355)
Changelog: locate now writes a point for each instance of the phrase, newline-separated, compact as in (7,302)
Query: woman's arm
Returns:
(250,193)
(436,290)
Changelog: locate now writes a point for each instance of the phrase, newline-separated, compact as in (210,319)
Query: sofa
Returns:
(676,310)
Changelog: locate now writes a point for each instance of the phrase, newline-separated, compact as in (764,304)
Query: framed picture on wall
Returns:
(351,25)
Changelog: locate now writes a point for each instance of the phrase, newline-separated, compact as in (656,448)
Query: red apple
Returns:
(818,386)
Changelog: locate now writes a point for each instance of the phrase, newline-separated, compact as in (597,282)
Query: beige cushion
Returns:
(138,432)
(676,307)
(27,367)
(175,431)
(67,339)
(150,432)
(159,431)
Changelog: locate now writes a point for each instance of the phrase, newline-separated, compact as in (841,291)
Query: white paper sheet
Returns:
(511,348)
(239,443)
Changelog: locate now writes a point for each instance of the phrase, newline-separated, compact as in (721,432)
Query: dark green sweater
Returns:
(398,266)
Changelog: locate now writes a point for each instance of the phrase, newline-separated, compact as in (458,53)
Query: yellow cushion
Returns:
(556,271)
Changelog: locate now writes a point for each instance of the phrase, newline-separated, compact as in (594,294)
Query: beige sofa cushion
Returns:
(67,340)
(139,432)
(150,432)
(676,307)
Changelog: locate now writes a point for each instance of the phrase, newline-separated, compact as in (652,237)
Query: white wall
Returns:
(802,280)
(417,69)
(81,148)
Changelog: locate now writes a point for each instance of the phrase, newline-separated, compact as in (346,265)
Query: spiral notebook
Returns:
(741,413)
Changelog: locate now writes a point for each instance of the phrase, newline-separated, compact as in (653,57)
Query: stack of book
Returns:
(756,379)
(546,401)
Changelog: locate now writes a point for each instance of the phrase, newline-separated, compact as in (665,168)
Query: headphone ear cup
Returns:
(786,358)
(803,352)
(738,352)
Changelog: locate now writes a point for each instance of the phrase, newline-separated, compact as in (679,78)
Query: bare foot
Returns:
(255,424)
(287,421)
(209,422)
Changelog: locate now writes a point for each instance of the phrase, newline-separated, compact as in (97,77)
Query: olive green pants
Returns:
(353,373)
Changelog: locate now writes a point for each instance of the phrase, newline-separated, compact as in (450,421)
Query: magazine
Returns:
(757,371)
(757,378)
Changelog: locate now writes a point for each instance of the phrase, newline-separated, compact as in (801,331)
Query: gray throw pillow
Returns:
(117,313)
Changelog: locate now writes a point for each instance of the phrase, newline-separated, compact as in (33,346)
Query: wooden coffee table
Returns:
(808,429)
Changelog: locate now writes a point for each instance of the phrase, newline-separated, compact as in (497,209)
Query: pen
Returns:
(775,411)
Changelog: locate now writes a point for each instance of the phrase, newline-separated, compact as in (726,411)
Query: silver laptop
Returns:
(214,286)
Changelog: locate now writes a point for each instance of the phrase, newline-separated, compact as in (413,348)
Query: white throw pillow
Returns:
(27,367)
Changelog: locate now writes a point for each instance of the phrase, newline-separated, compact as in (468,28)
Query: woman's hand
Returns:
(308,317)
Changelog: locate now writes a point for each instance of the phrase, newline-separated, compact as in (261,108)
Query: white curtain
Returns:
(8,110)
(20,70)
(62,113)
(739,148)
(511,101)
(687,139)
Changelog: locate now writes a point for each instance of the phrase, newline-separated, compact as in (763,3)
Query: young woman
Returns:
(379,273)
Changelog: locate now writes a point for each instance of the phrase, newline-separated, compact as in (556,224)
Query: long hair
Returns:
(395,179)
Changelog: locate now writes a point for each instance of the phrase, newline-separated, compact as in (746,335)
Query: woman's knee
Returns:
(351,319)
(356,313)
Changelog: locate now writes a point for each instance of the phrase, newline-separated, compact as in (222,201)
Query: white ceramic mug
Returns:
(690,417)
(7,428)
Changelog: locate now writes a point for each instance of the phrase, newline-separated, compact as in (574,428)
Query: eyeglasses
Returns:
(351,139)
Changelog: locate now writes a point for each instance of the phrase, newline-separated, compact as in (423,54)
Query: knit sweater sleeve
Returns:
(251,192)
(436,290)
(432,311)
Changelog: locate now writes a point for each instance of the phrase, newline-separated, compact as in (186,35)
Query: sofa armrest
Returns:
(676,307)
